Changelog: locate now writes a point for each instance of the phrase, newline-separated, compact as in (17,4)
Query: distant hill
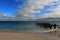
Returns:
(49,19)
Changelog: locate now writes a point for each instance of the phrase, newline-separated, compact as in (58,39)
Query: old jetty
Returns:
(47,25)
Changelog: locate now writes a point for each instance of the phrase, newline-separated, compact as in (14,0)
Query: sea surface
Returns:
(24,25)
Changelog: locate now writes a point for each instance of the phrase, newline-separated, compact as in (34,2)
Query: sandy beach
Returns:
(17,36)
(30,36)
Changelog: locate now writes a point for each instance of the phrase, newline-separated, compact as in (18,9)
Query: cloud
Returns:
(54,14)
(5,17)
(32,7)
(35,9)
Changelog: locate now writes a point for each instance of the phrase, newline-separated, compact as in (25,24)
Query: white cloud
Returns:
(31,7)
(54,14)
(5,17)
(28,10)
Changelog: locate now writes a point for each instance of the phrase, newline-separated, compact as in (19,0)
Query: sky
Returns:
(26,10)
(8,7)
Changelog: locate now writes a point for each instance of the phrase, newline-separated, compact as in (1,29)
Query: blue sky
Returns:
(9,6)
(46,9)
(29,9)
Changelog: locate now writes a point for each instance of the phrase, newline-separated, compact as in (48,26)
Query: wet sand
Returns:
(53,35)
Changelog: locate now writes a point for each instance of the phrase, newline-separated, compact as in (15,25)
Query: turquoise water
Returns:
(22,25)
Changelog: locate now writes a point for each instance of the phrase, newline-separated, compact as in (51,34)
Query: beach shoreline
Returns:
(21,35)
(26,31)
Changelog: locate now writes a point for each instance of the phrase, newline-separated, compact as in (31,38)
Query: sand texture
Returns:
(54,35)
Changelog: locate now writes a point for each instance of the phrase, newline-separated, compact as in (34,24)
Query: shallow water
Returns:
(22,25)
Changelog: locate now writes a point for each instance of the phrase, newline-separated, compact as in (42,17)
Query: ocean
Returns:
(23,25)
